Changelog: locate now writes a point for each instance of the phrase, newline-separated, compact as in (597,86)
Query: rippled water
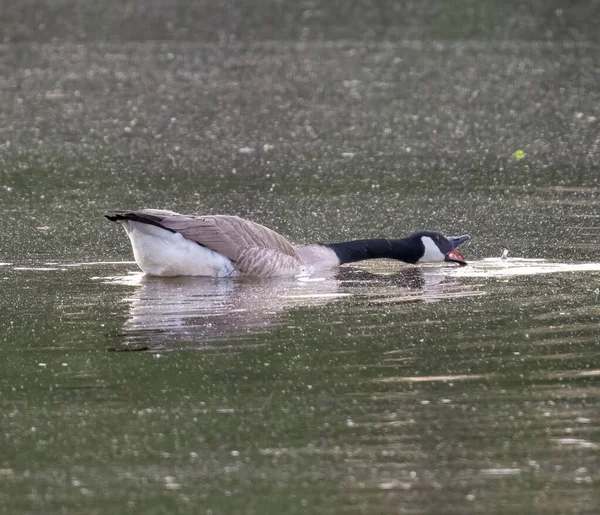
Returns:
(378,388)
(383,387)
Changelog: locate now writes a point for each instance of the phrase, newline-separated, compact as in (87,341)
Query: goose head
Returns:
(437,247)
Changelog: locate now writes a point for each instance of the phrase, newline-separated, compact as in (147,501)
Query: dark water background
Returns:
(375,389)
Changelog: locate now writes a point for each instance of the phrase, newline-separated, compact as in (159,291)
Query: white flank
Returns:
(432,251)
(164,253)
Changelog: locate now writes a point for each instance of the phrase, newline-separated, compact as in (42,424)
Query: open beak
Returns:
(454,255)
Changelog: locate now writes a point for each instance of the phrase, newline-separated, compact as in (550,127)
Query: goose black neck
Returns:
(405,250)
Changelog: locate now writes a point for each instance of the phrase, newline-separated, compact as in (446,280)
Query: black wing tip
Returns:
(136,216)
(115,216)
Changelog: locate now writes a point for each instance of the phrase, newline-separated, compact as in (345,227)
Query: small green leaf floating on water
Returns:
(519,154)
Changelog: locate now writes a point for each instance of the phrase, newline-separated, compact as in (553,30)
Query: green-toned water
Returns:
(380,388)
(403,389)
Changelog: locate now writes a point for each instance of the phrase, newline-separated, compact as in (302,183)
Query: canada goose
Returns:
(169,244)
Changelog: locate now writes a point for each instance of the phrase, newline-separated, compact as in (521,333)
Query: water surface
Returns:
(447,389)
(379,388)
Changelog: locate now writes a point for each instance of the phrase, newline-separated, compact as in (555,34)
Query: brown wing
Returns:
(227,235)
(264,262)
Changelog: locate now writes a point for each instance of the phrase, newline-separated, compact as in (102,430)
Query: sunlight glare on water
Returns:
(376,388)
(510,267)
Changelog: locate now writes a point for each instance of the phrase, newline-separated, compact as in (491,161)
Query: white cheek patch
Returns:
(432,251)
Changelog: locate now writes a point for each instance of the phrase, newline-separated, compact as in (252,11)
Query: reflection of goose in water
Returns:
(199,309)
(202,310)
(425,284)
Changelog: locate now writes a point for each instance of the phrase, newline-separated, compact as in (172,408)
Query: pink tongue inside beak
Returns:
(456,255)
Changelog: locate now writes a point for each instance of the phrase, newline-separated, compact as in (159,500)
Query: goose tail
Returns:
(144,217)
